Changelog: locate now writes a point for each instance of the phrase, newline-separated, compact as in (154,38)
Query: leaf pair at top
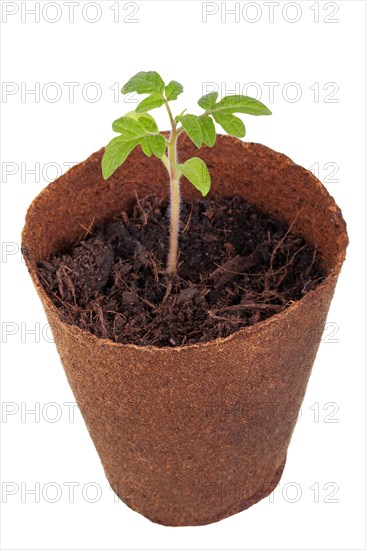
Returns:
(201,129)
(139,128)
(223,111)
(152,83)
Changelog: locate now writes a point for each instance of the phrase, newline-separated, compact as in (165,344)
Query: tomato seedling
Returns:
(139,128)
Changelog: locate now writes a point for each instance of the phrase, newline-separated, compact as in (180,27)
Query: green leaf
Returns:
(131,126)
(115,154)
(231,124)
(144,83)
(151,102)
(208,130)
(193,128)
(146,120)
(207,101)
(128,124)
(173,90)
(135,129)
(149,124)
(240,104)
(195,170)
(145,146)
(158,145)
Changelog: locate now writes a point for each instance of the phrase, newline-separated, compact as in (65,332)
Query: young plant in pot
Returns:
(187,326)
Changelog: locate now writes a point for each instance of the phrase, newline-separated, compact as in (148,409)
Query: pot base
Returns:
(227,511)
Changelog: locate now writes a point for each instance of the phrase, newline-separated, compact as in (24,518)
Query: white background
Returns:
(313,54)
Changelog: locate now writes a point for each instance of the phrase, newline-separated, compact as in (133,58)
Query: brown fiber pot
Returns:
(191,435)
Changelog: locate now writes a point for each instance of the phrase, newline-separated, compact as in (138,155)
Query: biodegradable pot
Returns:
(191,435)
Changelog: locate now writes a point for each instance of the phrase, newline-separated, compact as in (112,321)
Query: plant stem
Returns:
(170,164)
(174,203)
(171,118)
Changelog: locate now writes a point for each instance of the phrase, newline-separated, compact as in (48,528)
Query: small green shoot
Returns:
(139,128)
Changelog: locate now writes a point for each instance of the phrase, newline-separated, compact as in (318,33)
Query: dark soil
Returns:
(237,266)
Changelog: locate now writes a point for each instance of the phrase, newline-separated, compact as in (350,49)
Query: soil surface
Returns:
(237,266)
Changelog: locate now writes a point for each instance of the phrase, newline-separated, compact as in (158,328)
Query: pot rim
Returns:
(329,280)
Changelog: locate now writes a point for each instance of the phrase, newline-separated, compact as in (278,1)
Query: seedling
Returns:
(139,128)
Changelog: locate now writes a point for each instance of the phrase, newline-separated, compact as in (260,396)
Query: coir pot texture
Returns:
(191,435)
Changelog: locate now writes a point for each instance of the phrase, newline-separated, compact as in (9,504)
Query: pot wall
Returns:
(190,435)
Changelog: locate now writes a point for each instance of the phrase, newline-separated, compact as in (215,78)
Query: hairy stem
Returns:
(174,203)
(171,118)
